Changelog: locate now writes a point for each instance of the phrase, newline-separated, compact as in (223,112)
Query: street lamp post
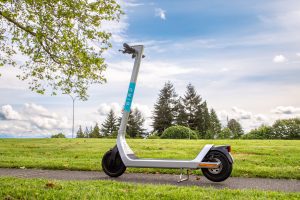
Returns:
(73,101)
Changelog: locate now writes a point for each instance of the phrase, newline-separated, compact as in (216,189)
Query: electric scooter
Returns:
(214,161)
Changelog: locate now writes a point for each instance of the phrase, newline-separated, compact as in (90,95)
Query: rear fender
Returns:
(223,149)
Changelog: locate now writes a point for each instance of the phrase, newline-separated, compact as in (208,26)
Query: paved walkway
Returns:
(232,183)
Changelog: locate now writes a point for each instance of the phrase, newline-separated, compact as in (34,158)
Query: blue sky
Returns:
(243,57)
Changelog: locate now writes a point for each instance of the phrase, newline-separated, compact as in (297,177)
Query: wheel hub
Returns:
(218,169)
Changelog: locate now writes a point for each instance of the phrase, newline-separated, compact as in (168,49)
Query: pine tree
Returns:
(135,124)
(80,133)
(109,127)
(86,132)
(206,119)
(95,133)
(181,117)
(164,116)
(192,103)
(215,125)
(235,128)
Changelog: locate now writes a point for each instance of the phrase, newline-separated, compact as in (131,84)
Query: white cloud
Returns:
(104,108)
(8,113)
(298,54)
(160,13)
(289,110)
(32,118)
(279,59)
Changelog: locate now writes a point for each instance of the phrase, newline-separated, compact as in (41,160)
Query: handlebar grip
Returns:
(128,48)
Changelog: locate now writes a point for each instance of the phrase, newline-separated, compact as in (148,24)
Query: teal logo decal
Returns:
(129,97)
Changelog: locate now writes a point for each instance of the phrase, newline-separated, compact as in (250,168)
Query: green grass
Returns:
(17,188)
(253,158)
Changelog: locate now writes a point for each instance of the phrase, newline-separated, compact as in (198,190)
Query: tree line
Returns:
(109,128)
(187,116)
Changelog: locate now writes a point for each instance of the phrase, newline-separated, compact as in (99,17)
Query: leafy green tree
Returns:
(80,133)
(59,135)
(135,124)
(109,127)
(236,128)
(192,103)
(262,132)
(225,133)
(95,133)
(56,38)
(164,109)
(179,132)
(286,129)
(215,124)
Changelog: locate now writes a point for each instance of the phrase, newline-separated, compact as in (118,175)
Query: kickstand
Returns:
(181,175)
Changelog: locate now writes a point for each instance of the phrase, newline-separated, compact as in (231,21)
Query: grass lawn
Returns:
(17,188)
(253,158)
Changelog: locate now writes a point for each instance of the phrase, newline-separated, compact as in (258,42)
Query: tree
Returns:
(80,133)
(192,102)
(163,115)
(262,132)
(225,133)
(215,125)
(109,127)
(203,120)
(56,38)
(235,128)
(286,129)
(135,124)
(95,133)
(59,135)
(86,132)
(181,117)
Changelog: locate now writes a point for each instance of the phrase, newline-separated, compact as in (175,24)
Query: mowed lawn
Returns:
(17,188)
(253,158)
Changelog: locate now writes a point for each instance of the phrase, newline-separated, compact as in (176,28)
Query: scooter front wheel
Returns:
(222,172)
(113,165)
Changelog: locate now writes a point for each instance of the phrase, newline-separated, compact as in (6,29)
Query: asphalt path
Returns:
(231,183)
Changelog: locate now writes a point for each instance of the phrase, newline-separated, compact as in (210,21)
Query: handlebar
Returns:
(128,49)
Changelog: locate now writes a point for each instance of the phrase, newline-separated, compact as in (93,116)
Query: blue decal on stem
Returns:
(129,97)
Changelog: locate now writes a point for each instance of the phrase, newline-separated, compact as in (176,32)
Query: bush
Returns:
(262,132)
(59,135)
(179,132)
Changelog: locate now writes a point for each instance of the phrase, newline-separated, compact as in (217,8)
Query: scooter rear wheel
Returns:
(222,172)
(113,167)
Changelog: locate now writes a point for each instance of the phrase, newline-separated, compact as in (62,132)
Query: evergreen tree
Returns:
(95,133)
(86,132)
(109,127)
(235,128)
(181,116)
(135,124)
(192,102)
(215,125)
(80,133)
(164,116)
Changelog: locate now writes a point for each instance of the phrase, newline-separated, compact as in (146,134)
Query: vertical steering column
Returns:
(137,53)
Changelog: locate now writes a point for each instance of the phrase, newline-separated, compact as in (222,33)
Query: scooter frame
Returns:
(127,155)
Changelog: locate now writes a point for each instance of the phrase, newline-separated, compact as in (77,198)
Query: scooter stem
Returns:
(138,57)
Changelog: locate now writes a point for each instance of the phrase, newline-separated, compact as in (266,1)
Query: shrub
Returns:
(59,135)
(179,132)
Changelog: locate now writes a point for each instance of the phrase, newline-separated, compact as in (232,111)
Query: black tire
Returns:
(220,174)
(113,169)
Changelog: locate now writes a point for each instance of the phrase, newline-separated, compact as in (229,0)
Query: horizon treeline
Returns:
(191,111)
